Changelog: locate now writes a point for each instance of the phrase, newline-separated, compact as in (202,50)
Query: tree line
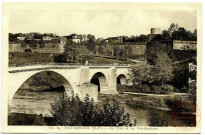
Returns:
(175,32)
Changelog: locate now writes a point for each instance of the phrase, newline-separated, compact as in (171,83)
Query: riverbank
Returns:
(146,115)
(25,119)
(154,101)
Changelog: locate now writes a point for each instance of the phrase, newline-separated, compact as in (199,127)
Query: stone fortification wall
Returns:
(49,48)
(58,48)
(136,49)
(184,45)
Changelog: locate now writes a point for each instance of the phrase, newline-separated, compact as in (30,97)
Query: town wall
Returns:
(184,45)
(136,49)
(58,48)
(49,48)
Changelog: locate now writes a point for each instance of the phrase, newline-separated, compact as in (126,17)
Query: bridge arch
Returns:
(66,83)
(100,80)
(122,79)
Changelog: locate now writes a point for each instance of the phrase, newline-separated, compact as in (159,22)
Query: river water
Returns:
(30,102)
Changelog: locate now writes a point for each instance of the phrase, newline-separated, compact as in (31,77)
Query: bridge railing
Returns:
(64,64)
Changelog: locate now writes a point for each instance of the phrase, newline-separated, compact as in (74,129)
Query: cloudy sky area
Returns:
(101,23)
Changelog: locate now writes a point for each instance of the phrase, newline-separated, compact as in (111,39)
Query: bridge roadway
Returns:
(46,66)
(81,78)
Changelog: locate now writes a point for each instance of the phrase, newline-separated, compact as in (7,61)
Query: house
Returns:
(46,38)
(114,39)
(75,38)
(21,38)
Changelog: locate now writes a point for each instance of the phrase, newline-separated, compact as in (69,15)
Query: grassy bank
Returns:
(144,88)
(26,57)
(119,97)
(156,101)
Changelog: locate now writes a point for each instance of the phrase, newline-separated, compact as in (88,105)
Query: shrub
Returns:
(156,120)
(133,103)
(156,103)
(156,89)
(71,111)
(169,101)
(143,88)
(166,88)
(163,89)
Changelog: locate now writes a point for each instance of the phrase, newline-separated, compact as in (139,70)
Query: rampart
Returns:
(48,48)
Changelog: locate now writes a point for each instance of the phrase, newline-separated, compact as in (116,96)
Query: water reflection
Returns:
(30,102)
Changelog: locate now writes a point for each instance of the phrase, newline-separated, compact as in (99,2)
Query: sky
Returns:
(101,23)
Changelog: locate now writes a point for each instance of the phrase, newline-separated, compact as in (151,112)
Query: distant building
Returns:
(84,38)
(76,38)
(114,39)
(155,31)
(21,38)
(155,34)
(46,38)
(29,36)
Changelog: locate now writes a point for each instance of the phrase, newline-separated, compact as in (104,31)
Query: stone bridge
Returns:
(82,79)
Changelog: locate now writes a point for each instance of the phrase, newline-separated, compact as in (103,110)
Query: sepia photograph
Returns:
(101,67)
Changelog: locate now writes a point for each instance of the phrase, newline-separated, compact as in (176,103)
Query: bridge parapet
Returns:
(66,64)
(47,66)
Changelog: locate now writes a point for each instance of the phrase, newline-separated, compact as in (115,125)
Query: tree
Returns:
(12,37)
(195,35)
(33,43)
(142,38)
(152,50)
(91,43)
(175,32)
(41,44)
(173,27)
(71,111)
(70,53)
(23,44)
(101,49)
(157,56)
(165,35)
(118,52)
(127,51)
(37,36)
(163,68)
(142,74)
(183,34)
